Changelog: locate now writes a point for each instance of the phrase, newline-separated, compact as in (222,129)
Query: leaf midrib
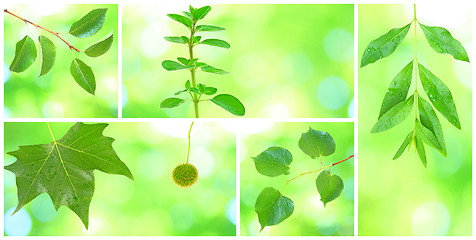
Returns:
(84,23)
(20,52)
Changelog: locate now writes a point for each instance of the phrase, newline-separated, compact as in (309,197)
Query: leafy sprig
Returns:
(90,24)
(194,89)
(271,205)
(397,105)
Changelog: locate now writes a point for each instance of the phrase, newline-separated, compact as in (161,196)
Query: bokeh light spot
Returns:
(152,41)
(430,219)
(182,216)
(231,210)
(18,224)
(333,92)
(339,45)
(349,188)
(42,208)
(327,225)
(203,160)
(350,110)
(125,95)
(6,73)
(296,68)
(52,109)
(152,164)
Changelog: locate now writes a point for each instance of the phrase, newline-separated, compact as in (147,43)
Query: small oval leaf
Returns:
(90,24)
(216,43)
(170,65)
(25,55)
(316,143)
(171,102)
(100,48)
(404,145)
(210,91)
(441,41)
(175,39)
(229,103)
(273,162)
(394,116)
(329,186)
(209,28)
(83,75)
(48,54)
(398,89)
(272,207)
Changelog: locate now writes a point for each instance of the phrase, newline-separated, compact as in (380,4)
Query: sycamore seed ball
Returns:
(185,175)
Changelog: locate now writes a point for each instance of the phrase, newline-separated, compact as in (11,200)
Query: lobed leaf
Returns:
(175,40)
(329,186)
(229,103)
(170,65)
(90,24)
(404,145)
(210,69)
(316,143)
(398,89)
(384,45)
(83,75)
(394,116)
(25,55)
(420,149)
(439,95)
(272,207)
(181,19)
(441,41)
(215,43)
(200,13)
(429,120)
(100,48)
(48,54)
(273,162)
(209,28)
(171,102)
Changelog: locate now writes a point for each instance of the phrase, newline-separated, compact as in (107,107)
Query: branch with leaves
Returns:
(271,205)
(194,89)
(64,168)
(396,106)
(90,24)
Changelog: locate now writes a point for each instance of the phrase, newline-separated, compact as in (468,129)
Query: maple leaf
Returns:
(64,168)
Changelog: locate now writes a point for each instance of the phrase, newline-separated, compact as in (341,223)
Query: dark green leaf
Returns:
(329,186)
(193,61)
(209,28)
(439,95)
(429,120)
(48,54)
(384,45)
(192,9)
(210,69)
(420,149)
(64,168)
(171,102)
(316,143)
(170,65)
(201,12)
(273,162)
(175,40)
(194,90)
(83,75)
(272,207)
(229,103)
(181,19)
(100,48)
(394,116)
(216,43)
(201,87)
(442,42)
(197,39)
(404,145)
(185,39)
(25,55)
(427,136)
(398,89)
(188,85)
(183,60)
(90,24)
(210,91)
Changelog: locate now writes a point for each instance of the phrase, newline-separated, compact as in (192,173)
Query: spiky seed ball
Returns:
(185,175)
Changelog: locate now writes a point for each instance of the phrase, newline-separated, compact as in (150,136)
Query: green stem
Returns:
(415,95)
(192,71)
(188,151)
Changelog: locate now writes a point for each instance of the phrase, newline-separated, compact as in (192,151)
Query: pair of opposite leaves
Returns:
(396,107)
(90,24)
(64,168)
(271,206)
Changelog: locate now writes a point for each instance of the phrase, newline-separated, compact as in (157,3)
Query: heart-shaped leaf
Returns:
(83,75)
(317,143)
(48,54)
(25,55)
(441,41)
(398,89)
(90,24)
(216,43)
(272,207)
(329,186)
(394,116)
(100,48)
(273,162)
(171,102)
(229,103)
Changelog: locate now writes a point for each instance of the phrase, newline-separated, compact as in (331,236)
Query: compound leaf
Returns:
(210,69)
(439,95)
(398,89)
(441,41)
(429,120)
(273,162)
(181,19)
(384,45)
(48,54)
(170,65)
(394,116)
(83,75)
(25,55)
(229,103)
(272,207)
(316,143)
(329,186)
(100,48)
(171,102)
(90,24)
(209,28)
(216,43)
(64,168)
(404,145)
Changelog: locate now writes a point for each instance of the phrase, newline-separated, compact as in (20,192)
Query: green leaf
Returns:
(183,60)
(404,145)
(329,186)
(181,91)
(427,136)
(194,90)
(429,120)
(193,61)
(210,90)
(188,85)
(100,48)
(196,39)
(209,28)
(48,54)
(170,65)
(394,116)
(201,12)
(83,75)
(201,87)
(316,143)
(175,39)
(192,9)
(439,95)
(90,24)
(384,45)
(201,64)
(187,14)
(171,102)
(273,162)
(64,168)
(272,207)
(398,89)
(216,43)
(441,41)
(25,55)
(185,39)
(181,19)
(210,69)
(229,103)
(420,149)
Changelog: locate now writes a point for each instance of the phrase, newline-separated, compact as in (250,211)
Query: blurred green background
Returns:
(56,94)
(285,60)
(402,197)
(309,218)
(151,204)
